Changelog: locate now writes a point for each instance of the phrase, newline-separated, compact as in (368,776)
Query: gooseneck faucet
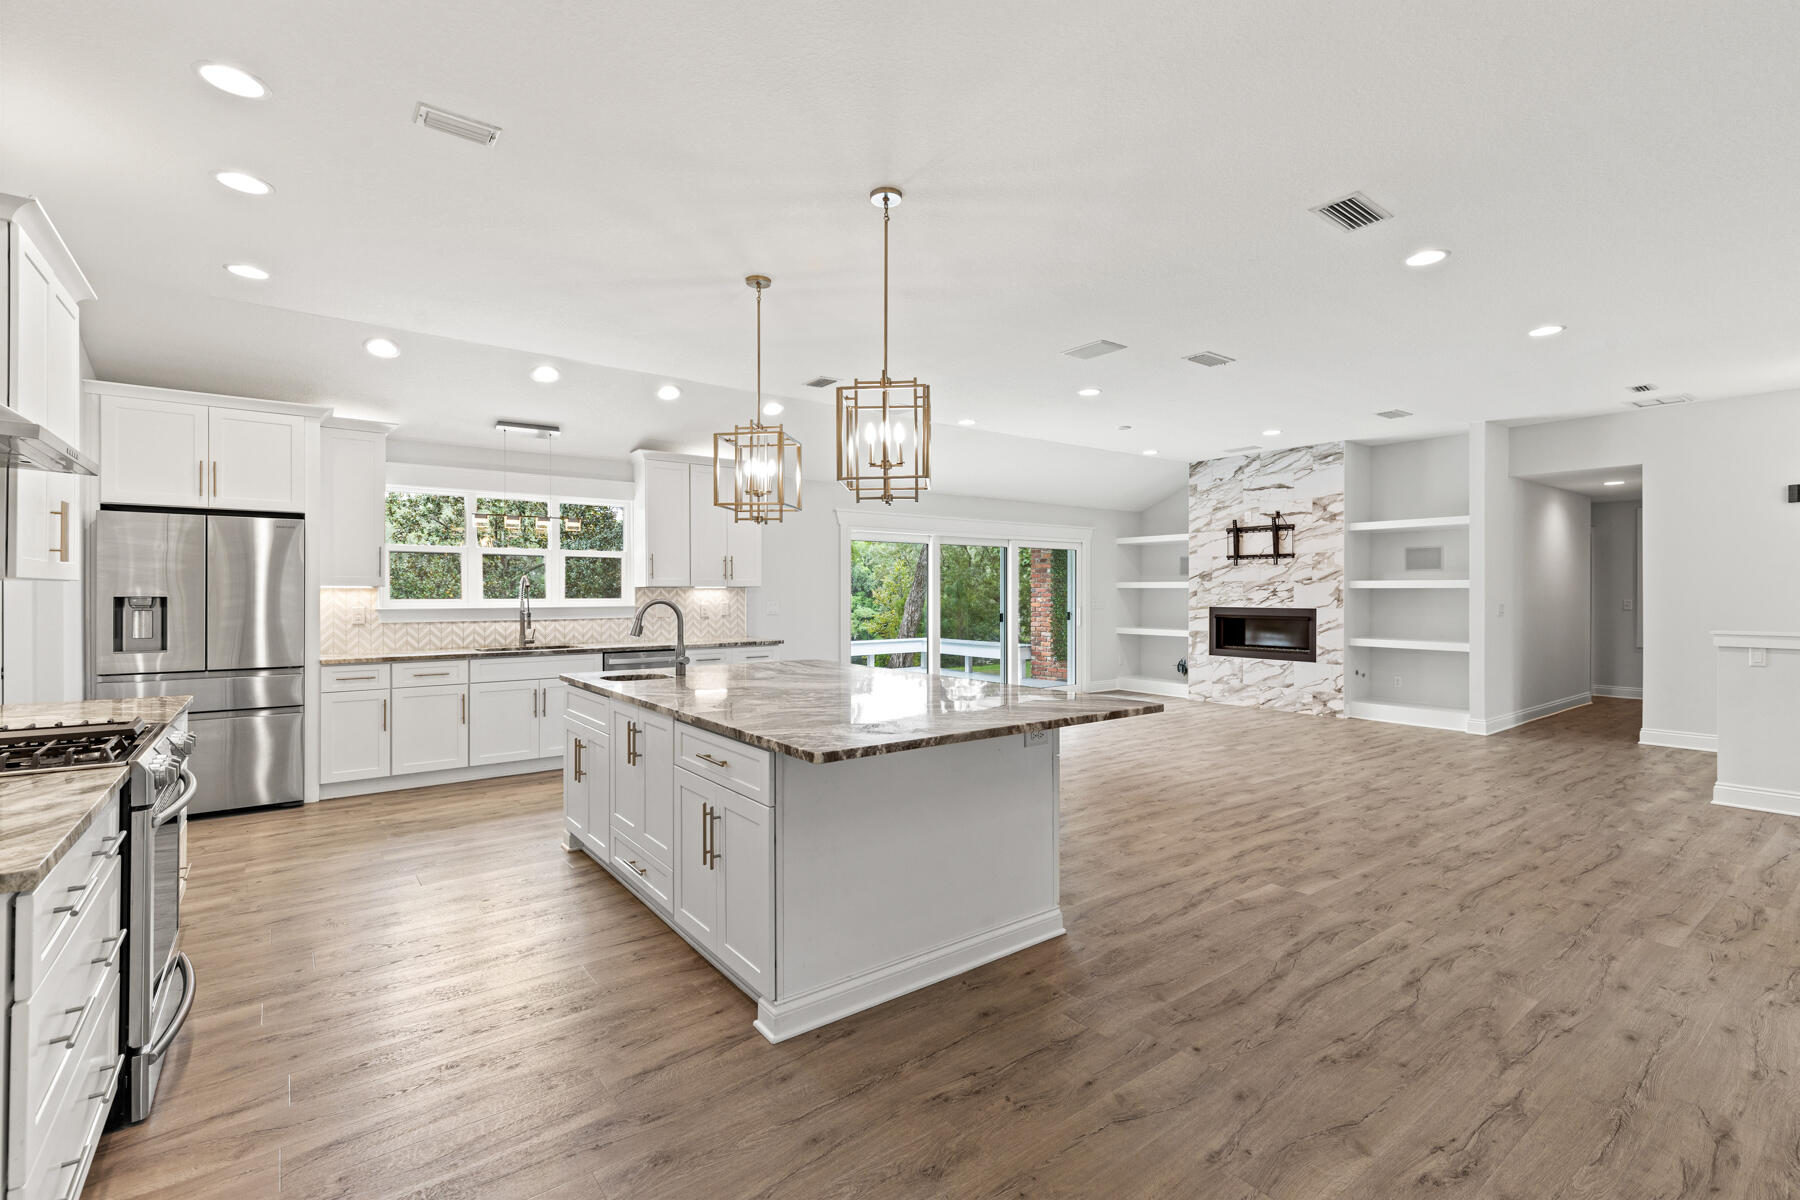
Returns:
(637,630)
(527,635)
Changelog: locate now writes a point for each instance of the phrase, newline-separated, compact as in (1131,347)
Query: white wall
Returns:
(1721,545)
(1154,658)
(1618,662)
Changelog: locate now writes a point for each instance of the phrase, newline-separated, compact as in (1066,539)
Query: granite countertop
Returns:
(345,660)
(825,712)
(41,816)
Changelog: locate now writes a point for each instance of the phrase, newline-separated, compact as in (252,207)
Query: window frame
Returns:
(472,603)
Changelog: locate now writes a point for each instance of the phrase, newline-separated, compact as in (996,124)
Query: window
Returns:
(456,549)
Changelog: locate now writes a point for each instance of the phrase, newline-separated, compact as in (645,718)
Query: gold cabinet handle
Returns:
(717,762)
(202,465)
(578,775)
(631,750)
(731,567)
(465,707)
(428,674)
(712,840)
(534,708)
(61,513)
(384,715)
(215,477)
(653,565)
(705,833)
(644,871)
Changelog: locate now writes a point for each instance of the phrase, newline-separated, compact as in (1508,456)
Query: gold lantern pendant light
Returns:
(884,425)
(756,467)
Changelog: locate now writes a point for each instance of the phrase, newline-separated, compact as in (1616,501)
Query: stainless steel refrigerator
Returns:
(213,607)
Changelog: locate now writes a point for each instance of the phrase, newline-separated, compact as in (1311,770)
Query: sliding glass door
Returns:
(890,602)
(1046,589)
(971,610)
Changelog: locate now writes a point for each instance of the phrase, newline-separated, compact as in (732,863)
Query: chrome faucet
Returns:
(527,635)
(637,630)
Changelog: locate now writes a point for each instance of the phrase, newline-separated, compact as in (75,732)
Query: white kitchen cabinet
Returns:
(351,515)
(44,510)
(709,555)
(643,780)
(257,460)
(743,552)
(696,898)
(663,503)
(354,735)
(152,452)
(430,728)
(587,787)
(504,721)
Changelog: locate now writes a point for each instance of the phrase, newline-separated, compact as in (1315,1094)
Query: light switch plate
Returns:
(1628,606)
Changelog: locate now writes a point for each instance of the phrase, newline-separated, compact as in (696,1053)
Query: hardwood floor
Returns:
(1306,958)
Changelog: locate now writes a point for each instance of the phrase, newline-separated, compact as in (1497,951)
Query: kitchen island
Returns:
(828,836)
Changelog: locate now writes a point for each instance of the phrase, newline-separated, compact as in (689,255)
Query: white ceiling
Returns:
(1610,483)
(1139,171)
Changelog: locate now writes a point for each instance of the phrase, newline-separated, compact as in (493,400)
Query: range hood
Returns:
(29,445)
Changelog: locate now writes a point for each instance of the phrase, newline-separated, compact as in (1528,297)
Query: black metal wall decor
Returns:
(1279,547)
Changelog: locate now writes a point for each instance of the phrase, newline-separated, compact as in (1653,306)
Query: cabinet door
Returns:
(696,876)
(152,452)
(744,840)
(45,513)
(352,507)
(257,460)
(431,728)
(28,328)
(656,759)
(665,523)
(353,736)
(627,773)
(553,701)
(503,721)
(708,558)
(587,787)
(743,549)
(62,363)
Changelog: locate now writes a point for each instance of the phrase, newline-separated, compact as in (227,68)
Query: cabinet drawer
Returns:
(430,674)
(50,1149)
(743,769)
(48,917)
(533,666)
(648,877)
(590,709)
(49,1074)
(359,677)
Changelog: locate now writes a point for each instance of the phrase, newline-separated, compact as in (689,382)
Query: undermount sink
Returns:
(629,676)
(514,648)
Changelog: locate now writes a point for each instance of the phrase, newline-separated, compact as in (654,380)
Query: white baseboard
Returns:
(1761,799)
(398,783)
(1099,685)
(1525,716)
(1679,739)
(783,1019)
(1618,691)
(1154,687)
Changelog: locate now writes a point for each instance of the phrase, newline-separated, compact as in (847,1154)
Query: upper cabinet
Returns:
(183,449)
(42,326)
(687,540)
(352,505)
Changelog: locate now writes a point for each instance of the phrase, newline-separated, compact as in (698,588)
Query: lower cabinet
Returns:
(587,787)
(354,736)
(725,877)
(512,720)
(430,728)
(644,780)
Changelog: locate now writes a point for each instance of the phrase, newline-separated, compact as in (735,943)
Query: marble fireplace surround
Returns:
(1306,484)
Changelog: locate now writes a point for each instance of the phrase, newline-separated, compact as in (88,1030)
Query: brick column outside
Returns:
(1046,612)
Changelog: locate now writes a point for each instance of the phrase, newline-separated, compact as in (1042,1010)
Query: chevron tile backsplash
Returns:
(713,615)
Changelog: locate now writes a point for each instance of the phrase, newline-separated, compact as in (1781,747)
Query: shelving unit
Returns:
(1155,539)
(1407,597)
(1157,599)
(1155,583)
(1146,631)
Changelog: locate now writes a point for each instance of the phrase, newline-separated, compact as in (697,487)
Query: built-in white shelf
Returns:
(1376,643)
(1160,583)
(1430,716)
(1160,539)
(1412,523)
(1146,631)
(1397,583)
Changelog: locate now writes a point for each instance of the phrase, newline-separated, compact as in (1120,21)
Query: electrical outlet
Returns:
(359,615)
(1501,611)
(1628,606)
(772,609)
(1037,737)
(1396,681)
(1759,656)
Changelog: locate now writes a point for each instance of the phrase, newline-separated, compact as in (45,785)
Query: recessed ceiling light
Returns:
(1123,428)
(966,421)
(1271,433)
(773,408)
(1426,258)
(545,373)
(1545,331)
(382,347)
(246,271)
(1613,483)
(241,181)
(1090,392)
(235,80)
(1150,453)
(668,391)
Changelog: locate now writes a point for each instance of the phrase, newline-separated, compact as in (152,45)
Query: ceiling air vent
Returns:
(1353,211)
(820,381)
(1658,401)
(1393,414)
(1095,349)
(467,128)
(1643,387)
(1209,358)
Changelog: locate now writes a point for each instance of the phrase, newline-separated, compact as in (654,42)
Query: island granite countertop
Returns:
(823,712)
(41,816)
(347,660)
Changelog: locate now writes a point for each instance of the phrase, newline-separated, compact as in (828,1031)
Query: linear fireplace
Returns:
(1288,634)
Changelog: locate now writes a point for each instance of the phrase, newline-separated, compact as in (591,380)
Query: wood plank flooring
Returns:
(1306,958)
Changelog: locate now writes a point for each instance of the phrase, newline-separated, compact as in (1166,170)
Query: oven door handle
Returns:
(164,816)
(164,1040)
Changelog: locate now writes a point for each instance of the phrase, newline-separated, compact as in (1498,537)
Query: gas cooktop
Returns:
(69,747)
